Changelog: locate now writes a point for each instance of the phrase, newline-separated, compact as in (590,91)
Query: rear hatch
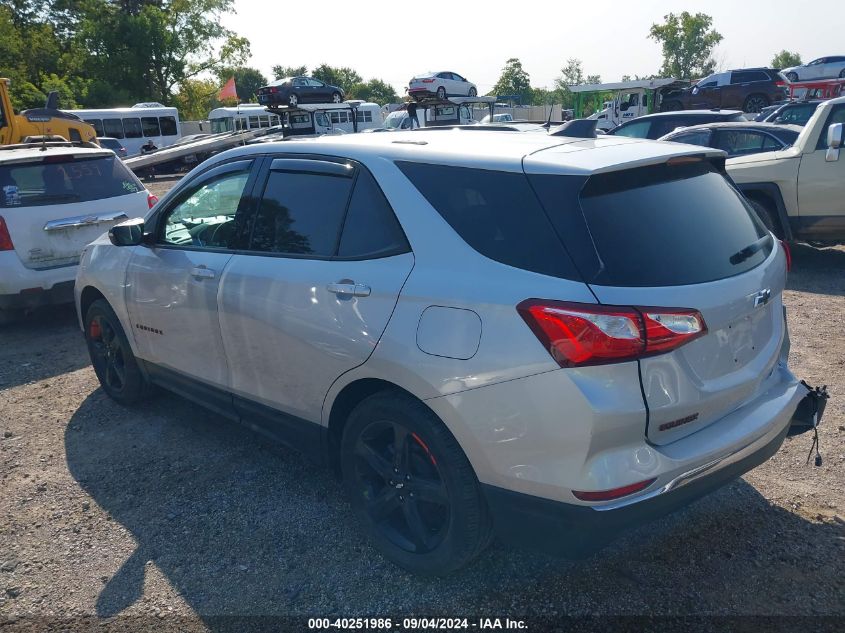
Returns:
(678,235)
(54,205)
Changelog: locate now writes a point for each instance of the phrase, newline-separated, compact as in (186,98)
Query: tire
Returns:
(441,93)
(755,103)
(293,100)
(421,506)
(473,92)
(336,97)
(792,76)
(766,215)
(112,357)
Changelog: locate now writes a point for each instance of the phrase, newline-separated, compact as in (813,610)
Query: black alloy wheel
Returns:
(411,485)
(755,103)
(441,93)
(405,495)
(112,357)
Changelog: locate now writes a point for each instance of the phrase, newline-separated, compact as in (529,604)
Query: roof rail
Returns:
(577,128)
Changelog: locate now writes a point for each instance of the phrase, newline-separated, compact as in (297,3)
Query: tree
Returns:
(687,42)
(282,72)
(247,81)
(344,77)
(196,98)
(593,79)
(785,59)
(151,46)
(514,80)
(374,90)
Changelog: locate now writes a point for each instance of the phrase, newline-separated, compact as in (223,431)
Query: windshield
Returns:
(394,120)
(68,180)
(221,125)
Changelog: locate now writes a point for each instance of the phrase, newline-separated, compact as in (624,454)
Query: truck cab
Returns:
(625,106)
(799,192)
(40,122)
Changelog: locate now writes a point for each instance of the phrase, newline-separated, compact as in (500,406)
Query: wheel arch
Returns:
(88,296)
(769,194)
(350,396)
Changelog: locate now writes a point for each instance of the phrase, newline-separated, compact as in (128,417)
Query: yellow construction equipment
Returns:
(40,122)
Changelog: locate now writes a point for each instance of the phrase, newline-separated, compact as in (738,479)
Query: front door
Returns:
(172,285)
(821,187)
(310,300)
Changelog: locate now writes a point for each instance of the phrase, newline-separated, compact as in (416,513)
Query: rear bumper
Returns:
(578,530)
(25,288)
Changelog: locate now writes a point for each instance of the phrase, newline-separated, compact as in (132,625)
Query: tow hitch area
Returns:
(808,415)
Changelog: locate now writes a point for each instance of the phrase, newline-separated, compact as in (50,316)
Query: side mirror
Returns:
(128,233)
(835,135)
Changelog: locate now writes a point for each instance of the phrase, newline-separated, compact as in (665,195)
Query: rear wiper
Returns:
(751,249)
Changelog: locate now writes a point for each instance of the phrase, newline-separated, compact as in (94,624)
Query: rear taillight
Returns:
(5,238)
(615,493)
(428,81)
(580,334)
(151,200)
(274,90)
(788,254)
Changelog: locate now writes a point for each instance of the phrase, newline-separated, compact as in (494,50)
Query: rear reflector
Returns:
(581,334)
(615,493)
(5,238)
(428,81)
(151,200)
(788,254)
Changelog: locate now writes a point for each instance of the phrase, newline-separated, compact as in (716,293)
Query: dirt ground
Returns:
(169,512)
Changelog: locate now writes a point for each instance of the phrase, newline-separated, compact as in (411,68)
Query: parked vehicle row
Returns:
(748,89)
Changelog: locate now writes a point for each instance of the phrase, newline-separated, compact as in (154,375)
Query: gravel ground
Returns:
(169,511)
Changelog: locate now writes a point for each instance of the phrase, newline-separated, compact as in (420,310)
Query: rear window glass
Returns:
(659,226)
(496,213)
(70,181)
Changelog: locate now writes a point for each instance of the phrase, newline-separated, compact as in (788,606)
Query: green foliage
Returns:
(113,52)
(196,98)
(514,80)
(785,59)
(25,95)
(687,42)
(282,72)
(247,81)
(342,77)
(53,82)
(375,90)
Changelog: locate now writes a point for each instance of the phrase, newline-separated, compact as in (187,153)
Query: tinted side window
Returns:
(663,125)
(300,214)
(132,128)
(371,229)
(696,137)
(168,125)
(150,126)
(113,127)
(496,213)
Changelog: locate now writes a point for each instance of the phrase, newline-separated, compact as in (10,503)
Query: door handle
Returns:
(201,272)
(351,289)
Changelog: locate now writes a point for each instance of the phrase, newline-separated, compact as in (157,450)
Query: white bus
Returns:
(247,116)
(136,125)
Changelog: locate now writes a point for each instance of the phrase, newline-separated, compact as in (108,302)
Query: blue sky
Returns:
(397,39)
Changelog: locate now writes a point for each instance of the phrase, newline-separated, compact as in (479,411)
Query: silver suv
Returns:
(489,333)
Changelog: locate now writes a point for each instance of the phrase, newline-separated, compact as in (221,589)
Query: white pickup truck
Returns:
(799,192)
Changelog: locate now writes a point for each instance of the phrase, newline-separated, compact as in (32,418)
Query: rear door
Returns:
(56,205)
(310,297)
(673,236)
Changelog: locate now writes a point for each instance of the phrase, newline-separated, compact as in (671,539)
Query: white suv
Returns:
(488,332)
(53,201)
